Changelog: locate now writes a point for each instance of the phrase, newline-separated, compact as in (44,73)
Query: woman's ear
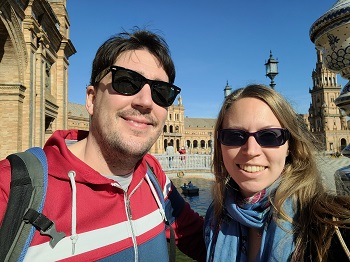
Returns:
(90,99)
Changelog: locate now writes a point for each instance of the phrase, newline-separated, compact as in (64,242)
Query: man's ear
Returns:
(90,99)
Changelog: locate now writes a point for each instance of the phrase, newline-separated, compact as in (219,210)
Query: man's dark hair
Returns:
(135,40)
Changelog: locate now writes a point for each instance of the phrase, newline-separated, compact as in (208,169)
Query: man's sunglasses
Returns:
(270,137)
(128,82)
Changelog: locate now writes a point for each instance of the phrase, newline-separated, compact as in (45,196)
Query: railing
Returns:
(185,162)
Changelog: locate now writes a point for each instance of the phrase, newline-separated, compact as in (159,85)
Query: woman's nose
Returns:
(252,147)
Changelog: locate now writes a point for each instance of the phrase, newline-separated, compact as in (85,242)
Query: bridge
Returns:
(186,162)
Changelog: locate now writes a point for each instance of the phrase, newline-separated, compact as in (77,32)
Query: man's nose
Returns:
(143,98)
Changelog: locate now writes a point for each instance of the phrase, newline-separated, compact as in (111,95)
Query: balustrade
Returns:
(184,162)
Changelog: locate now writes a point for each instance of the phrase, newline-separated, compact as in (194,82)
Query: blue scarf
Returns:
(228,239)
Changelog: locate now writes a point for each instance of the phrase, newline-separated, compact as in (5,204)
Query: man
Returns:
(99,194)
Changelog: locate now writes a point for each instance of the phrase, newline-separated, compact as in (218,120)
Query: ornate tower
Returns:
(327,121)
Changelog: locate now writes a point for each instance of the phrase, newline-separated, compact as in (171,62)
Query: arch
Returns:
(165,128)
(343,144)
(177,145)
(13,53)
(202,143)
(165,144)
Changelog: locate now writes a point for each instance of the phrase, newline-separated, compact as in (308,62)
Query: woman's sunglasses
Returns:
(128,82)
(270,137)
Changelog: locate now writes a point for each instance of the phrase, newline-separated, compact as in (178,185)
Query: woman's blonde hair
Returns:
(300,180)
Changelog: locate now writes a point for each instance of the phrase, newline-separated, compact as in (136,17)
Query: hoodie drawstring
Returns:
(161,209)
(74,236)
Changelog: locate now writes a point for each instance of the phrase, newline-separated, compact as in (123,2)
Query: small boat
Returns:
(189,189)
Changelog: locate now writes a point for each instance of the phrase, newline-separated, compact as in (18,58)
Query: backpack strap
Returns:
(168,215)
(29,179)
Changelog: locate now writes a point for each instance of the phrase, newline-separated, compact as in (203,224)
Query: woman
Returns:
(269,201)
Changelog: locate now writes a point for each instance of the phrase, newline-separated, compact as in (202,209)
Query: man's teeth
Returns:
(252,169)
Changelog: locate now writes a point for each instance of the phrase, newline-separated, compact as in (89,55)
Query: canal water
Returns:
(198,203)
(201,202)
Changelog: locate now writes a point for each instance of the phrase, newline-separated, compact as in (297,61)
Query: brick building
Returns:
(34,52)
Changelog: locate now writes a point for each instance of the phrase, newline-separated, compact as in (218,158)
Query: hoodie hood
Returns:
(61,160)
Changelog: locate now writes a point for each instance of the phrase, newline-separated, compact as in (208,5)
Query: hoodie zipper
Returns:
(129,216)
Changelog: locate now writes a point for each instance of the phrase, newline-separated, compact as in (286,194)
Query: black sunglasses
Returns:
(128,82)
(270,137)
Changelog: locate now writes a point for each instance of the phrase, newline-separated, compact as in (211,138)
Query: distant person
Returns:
(182,151)
(269,200)
(190,184)
(99,189)
(171,152)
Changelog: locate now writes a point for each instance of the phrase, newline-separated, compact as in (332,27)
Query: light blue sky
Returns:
(211,42)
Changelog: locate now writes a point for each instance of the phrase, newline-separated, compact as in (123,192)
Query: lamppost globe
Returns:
(227,90)
(271,69)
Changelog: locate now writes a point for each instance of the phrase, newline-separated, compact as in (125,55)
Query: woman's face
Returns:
(252,166)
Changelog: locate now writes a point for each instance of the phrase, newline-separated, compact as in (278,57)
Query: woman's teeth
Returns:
(252,169)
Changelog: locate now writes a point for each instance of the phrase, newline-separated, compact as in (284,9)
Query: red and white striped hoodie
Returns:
(100,220)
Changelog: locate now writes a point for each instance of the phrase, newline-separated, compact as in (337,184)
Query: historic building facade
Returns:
(34,52)
(326,121)
(194,134)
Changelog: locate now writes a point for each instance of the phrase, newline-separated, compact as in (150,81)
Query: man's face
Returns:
(129,125)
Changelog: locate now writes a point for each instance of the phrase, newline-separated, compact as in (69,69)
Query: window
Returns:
(48,124)
(48,76)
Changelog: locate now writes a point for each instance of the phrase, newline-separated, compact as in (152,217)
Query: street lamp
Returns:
(227,90)
(271,69)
